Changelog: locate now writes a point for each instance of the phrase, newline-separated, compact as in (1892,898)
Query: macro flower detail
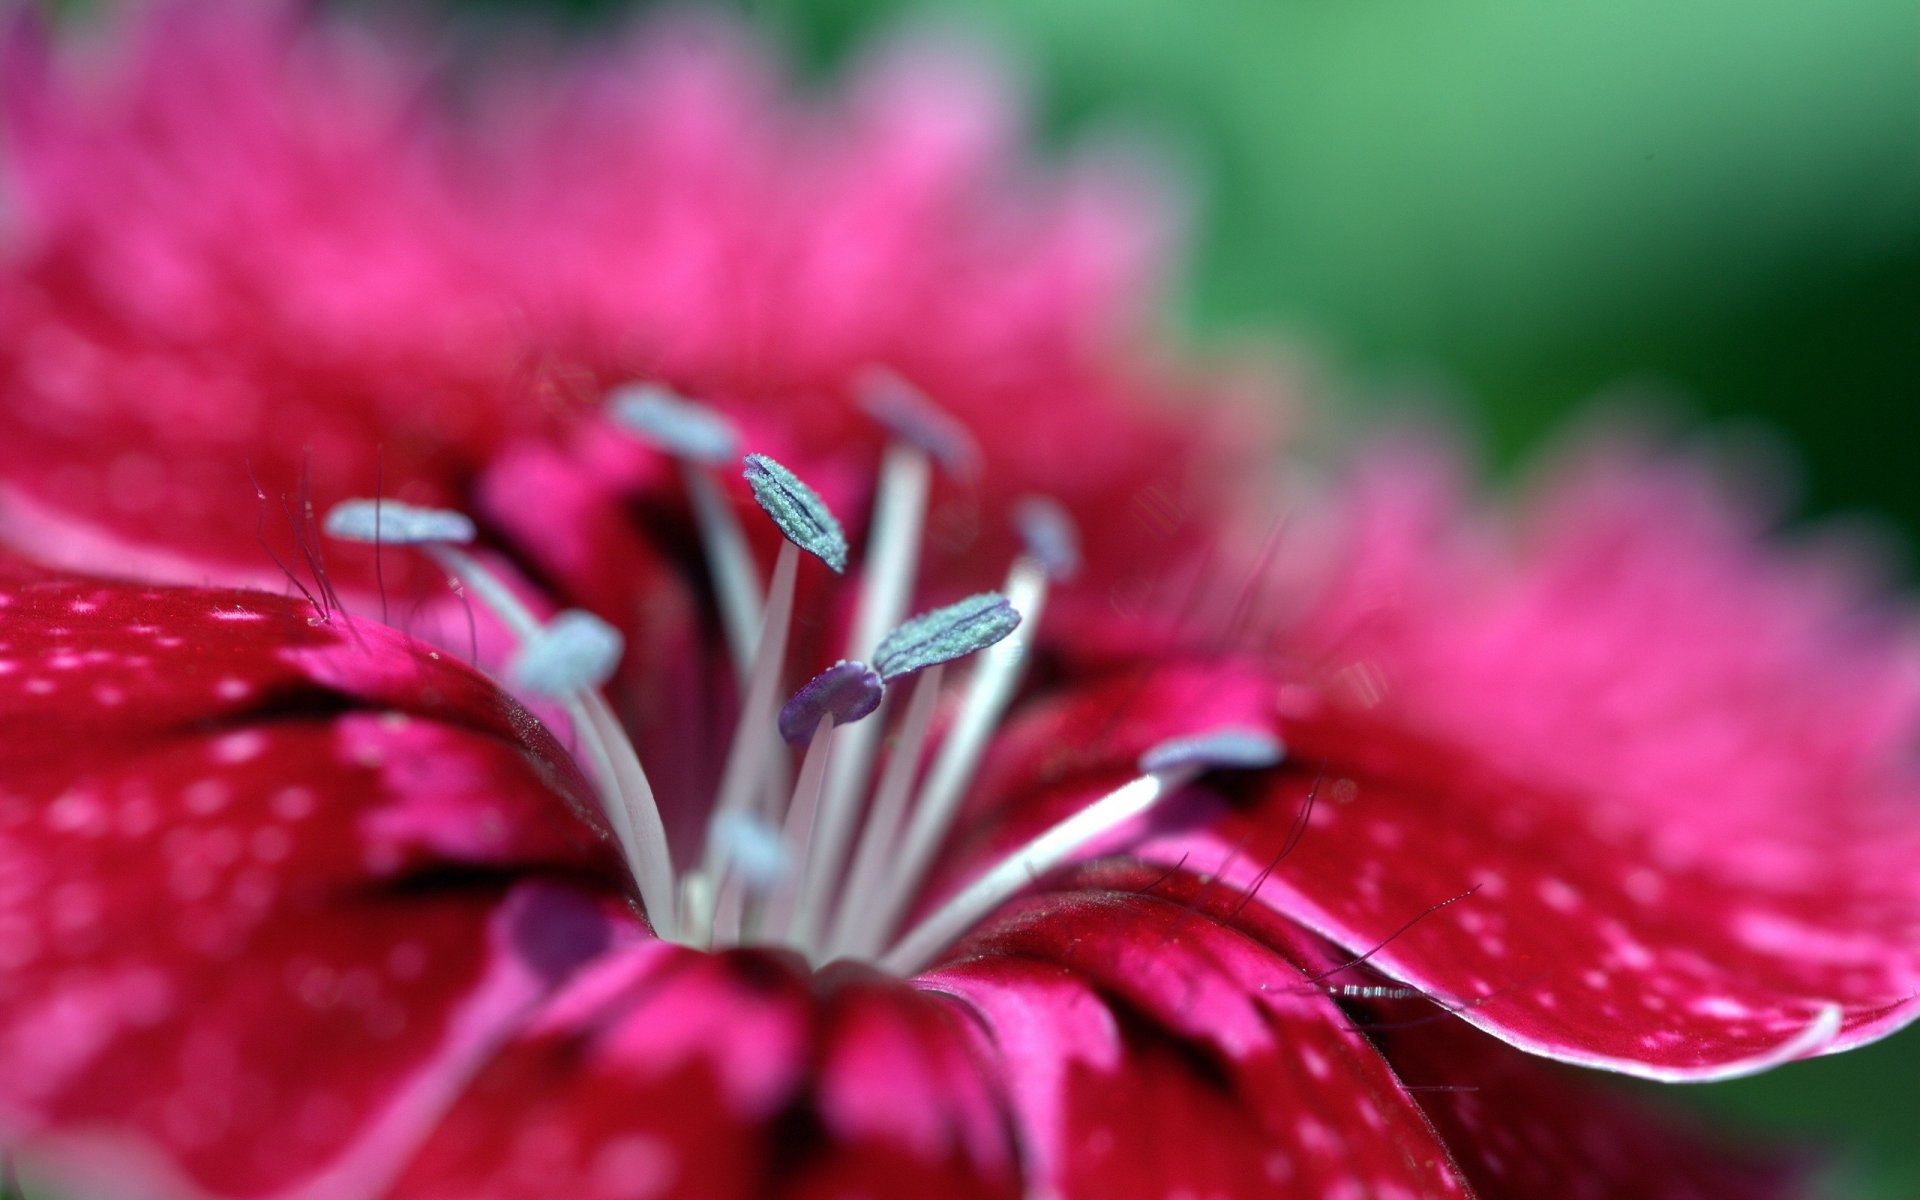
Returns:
(761,689)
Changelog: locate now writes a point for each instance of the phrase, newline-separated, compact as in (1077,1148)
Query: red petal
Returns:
(1152,1052)
(1521,1128)
(252,935)
(1576,940)
(669,1072)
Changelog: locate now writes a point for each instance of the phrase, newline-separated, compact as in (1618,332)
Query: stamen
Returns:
(751,847)
(886,581)
(945,634)
(798,510)
(753,736)
(1016,872)
(845,692)
(626,796)
(906,413)
(396,523)
(991,689)
(1050,536)
(1165,769)
(807,525)
(673,424)
(576,651)
(879,840)
(700,439)
(841,694)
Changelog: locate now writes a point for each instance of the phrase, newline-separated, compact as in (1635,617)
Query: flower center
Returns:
(830,860)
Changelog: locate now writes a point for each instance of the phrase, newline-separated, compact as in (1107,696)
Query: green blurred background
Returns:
(1526,205)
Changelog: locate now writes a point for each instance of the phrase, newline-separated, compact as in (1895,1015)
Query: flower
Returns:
(1292,885)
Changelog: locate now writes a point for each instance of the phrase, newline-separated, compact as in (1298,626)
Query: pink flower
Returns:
(1288,885)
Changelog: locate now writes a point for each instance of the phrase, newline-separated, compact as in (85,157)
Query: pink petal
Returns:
(253,236)
(207,190)
(1152,1052)
(1675,762)
(663,1072)
(252,933)
(1565,936)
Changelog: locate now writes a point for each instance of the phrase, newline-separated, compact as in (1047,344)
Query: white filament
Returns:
(736,581)
(996,673)
(626,796)
(754,734)
(900,508)
(880,838)
(1007,878)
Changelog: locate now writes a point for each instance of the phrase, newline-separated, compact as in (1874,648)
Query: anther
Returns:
(797,509)
(905,412)
(1221,749)
(674,425)
(1050,535)
(843,694)
(891,559)
(807,525)
(626,796)
(752,849)
(700,439)
(945,634)
(573,652)
(397,524)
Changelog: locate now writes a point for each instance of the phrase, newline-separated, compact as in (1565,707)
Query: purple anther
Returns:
(843,693)
(906,413)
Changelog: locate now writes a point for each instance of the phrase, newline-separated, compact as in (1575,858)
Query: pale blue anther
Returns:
(906,413)
(843,693)
(1050,535)
(397,523)
(945,634)
(799,512)
(673,424)
(749,844)
(573,652)
(1216,750)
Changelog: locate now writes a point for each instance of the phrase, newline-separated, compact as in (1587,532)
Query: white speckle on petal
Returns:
(240,747)
(634,1167)
(1558,896)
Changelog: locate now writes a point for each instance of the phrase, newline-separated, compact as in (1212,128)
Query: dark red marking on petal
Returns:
(1152,1052)
(666,1072)
(1521,1128)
